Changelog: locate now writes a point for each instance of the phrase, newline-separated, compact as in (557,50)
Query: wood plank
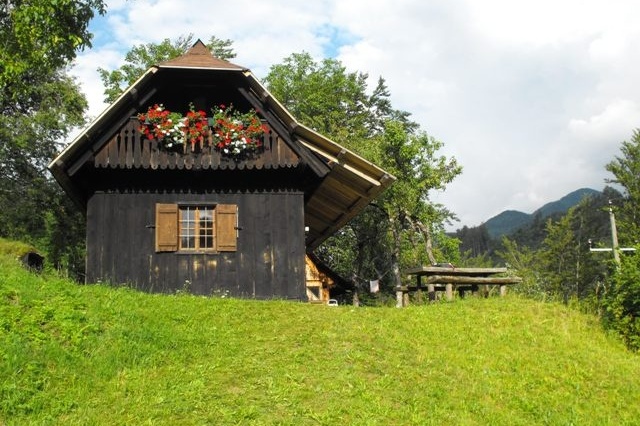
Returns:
(101,157)
(439,270)
(122,151)
(146,152)
(127,136)
(458,279)
(137,148)
(113,152)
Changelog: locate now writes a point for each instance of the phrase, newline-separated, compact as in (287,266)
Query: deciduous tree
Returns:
(40,105)
(337,103)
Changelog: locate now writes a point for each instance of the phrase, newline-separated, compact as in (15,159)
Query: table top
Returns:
(451,270)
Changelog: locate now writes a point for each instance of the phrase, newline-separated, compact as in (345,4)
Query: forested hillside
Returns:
(528,230)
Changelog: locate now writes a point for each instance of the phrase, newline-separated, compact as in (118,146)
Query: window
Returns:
(197,228)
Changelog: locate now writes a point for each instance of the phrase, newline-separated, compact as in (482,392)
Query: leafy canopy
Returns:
(626,171)
(39,36)
(40,105)
(339,104)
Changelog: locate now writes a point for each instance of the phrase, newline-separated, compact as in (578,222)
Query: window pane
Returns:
(206,238)
(187,228)
(206,227)
(206,216)
(187,242)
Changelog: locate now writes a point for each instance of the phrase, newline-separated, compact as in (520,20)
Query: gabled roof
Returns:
(199,56)
(348,183)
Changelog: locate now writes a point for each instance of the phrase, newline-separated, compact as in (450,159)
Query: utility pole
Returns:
(614,240)
(614,236)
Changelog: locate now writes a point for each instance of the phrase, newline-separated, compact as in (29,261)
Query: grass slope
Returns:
(97,355)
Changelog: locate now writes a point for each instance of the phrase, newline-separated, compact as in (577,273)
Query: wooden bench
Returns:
(448,278)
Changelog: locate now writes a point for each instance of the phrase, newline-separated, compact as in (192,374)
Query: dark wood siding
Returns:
(269,261)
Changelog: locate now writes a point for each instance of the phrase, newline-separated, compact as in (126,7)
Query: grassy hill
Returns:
(74,354)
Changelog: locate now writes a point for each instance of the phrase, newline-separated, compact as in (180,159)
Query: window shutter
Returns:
(166,227)
(226,227)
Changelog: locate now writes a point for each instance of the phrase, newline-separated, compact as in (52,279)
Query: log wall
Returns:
(269,261)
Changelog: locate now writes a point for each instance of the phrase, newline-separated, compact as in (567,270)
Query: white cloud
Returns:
(532,97)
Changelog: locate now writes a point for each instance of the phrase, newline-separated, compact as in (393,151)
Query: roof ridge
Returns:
(199,56)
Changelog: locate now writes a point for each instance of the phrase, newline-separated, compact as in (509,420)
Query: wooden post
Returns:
(399,297)
(449,291)
(432,292)
(405,298)
(503,290)
(419,285)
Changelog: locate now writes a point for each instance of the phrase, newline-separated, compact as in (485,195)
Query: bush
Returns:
(623,301)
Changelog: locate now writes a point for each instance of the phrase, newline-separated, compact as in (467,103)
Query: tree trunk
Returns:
(428,243)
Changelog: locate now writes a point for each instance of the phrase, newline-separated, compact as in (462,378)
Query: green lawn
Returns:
(94,355)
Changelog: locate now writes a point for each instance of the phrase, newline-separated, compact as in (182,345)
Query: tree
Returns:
(623,299)
(559,258)
(38,37)
(522,261)
(336,103)
(140,58)
(40,105)
(626,171)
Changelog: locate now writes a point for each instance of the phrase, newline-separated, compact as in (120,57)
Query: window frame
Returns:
(169,231)
(194,232)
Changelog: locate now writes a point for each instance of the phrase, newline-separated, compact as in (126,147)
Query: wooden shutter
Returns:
(166,227)
(226,227)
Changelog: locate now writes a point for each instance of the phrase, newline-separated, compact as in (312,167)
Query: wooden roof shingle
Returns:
(199,56)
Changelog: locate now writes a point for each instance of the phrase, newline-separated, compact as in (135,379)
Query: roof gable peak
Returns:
(199,56)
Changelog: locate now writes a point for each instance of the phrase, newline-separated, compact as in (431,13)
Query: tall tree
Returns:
(560,258)
(623,298)
(626,171)
(143,56)
(337,103)
(40,105)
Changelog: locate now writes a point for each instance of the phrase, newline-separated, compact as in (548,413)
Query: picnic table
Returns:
(448,278)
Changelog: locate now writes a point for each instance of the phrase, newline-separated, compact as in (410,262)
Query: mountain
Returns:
(566,202)
(506,222)
(509,221)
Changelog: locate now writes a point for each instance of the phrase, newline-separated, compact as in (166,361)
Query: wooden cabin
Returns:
(165,217)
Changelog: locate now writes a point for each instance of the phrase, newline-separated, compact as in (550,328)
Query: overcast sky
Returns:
(533,98)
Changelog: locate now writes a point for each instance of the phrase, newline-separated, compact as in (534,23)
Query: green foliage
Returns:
(40,36)
(523,262)
(40,106)
(140,58)
(397,230)
(626,171)
(100,355)
(623,301)
(559,257)
(474,240)
(14,249)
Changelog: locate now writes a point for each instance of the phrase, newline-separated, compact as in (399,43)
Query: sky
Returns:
(533,98)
